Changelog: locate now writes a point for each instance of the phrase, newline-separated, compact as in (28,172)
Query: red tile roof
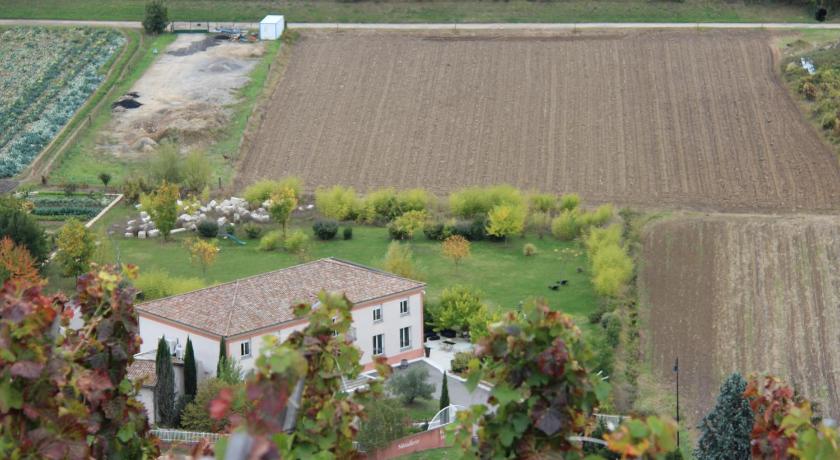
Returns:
(265,300)
(143,370)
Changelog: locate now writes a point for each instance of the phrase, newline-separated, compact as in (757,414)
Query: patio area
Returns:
(444,349)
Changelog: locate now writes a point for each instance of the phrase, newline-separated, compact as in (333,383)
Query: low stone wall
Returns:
(432,439)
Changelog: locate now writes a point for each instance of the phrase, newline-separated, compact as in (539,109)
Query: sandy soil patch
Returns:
(747,294)
(184,95)
(646,118)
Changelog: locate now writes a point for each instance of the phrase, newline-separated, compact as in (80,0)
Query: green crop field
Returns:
(47,75)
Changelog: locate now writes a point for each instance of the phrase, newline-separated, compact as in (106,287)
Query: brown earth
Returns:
(748,294)
(673,119)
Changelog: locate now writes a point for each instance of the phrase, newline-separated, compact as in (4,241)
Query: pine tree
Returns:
(444,392)
(725,431)
(222,358)
(190,379)
(165,386)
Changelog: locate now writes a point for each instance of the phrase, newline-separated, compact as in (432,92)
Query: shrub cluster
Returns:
(207,228)
(573,222)
(271,241)
(478,201)
(157,284)
(262,190)
(612,266)
(325,229)
(379,206)
(252,230)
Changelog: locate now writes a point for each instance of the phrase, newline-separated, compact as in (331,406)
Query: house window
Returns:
(378,344)
(405,338)
(377,314)
(403,307)
(245,349)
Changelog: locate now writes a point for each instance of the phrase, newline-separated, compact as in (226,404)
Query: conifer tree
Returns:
(190,377)
(165,386)
(222,358)
(444,393)
(725,431)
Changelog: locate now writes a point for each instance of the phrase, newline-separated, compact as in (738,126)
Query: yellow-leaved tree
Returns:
(283,202)
(456,247)
(16,263)
(505,221)
(76,246)
(203,252)
(162,206)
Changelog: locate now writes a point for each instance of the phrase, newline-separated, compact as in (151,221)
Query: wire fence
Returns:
(187,437)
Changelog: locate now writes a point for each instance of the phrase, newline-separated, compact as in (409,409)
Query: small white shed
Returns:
(272,26)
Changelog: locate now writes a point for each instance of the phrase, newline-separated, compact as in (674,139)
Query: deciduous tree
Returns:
(17,224)
(162,206)
(76,246)
(203,252)
(156,18)
(384,422)
(283,202)
(399,260)
(411,384)
(16,263)
(505,221)
(459,306)
(456,248)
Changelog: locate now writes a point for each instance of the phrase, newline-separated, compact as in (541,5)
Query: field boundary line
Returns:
(462,25)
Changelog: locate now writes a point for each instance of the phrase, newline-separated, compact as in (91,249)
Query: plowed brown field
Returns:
(665,118)
(752,294)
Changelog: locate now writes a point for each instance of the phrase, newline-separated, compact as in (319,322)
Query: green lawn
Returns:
(80,164)
(499,270)
(415,11)
(422,410)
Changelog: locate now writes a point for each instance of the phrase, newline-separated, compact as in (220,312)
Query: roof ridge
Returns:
(373,269)
(227,283)
(232,307)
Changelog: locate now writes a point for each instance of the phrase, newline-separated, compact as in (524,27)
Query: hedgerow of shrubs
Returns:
(612,266)
(478,201)
(325,229)
(339,203)
(262,190)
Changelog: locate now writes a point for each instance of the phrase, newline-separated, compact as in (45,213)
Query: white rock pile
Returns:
(230,211)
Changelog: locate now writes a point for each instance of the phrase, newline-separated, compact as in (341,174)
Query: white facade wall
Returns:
(206,349)
(147,397)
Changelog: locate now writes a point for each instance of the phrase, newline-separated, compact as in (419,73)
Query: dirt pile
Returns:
(184,96)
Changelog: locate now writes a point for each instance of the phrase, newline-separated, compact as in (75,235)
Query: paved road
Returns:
(462,26)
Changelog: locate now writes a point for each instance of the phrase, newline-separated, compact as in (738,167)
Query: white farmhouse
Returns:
(387,313)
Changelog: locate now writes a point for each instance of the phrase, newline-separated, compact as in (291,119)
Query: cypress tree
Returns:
(222,358)
(190,378)
(444,392)
(725,431)
(165,386)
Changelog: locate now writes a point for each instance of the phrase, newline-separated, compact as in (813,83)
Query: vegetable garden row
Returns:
(47,74)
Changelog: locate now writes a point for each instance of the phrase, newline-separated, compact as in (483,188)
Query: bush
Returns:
(612,270)
(156,18)
(340,203)
(529,250)
(459,306)
(543,202)
(461,361)
(259,191)
(70,188)
(601,237)
(399,260)
(348,233)
(434,230)
(196,171)
(381,206)
(411,384)
(539,223)
(22,229)
(325,229)
(133,188)
(297,243)
(565,226)
(156,284)
(196,415)
(166,165)
(415,199)
(385,422)
(601,215)
(207,228)
(271,241)
(505,221)
(404,226)
(478,201)
(569,201)
(612,325)
(252,230)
